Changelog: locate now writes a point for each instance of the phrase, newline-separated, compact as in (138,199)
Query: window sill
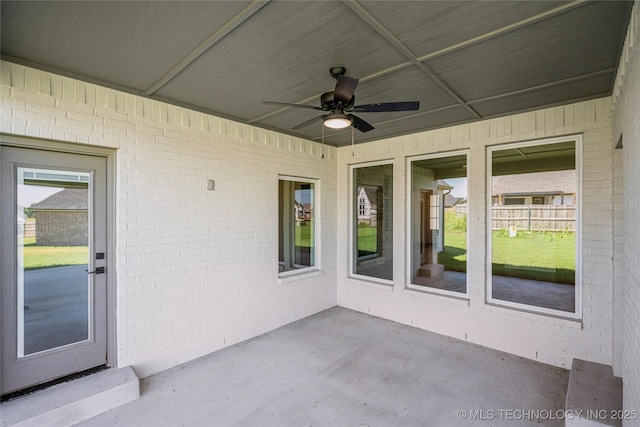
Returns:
(437,295)
(548,315)
(371,282)
(295,276)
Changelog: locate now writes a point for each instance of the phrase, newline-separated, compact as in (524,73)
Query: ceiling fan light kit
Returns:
(337,121)
(341,101)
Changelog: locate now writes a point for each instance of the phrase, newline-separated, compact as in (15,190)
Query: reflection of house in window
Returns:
(302,211)
(369,235)
(557,188)
(368,205)
(62,219)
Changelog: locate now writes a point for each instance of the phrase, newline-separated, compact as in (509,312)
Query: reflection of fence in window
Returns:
(29,229)
(534,218)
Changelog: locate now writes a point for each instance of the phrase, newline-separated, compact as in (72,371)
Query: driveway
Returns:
(55,302)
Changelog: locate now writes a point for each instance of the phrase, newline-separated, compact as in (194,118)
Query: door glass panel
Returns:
(53,259)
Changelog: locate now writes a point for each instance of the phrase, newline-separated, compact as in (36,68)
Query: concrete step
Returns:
(593,396)
(74,401)
(430,270)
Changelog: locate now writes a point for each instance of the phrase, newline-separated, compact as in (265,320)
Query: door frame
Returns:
(110,156)
(426,233)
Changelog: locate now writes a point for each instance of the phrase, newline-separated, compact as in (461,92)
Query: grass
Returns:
(546,256)
(52,256)
(304,234)
(367,240)
(454,256)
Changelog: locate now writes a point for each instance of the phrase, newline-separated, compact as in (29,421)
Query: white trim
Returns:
(489,300)
(437,295)
(295,275)
(408,230)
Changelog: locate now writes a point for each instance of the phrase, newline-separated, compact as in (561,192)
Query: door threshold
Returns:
(30,390)
(72,402)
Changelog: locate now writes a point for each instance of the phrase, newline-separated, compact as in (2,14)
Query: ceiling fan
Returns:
(340,103)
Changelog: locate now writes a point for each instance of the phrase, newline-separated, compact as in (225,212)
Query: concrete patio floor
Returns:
(556,296)
(344,368)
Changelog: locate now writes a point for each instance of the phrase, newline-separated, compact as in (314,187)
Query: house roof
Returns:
(535,183)
(462,60)
(443,184)
(372,195)
(450,200)
(67,199)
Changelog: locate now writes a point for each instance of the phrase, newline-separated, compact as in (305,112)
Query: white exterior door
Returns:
(52,266)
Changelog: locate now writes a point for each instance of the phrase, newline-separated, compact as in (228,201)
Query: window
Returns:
(297,224)
(538,200)
(373,221)
(534,246)
(438,227)
(514,201)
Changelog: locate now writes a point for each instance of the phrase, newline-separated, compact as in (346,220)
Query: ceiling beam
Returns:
(214,38)
(545,85)
(501,31)
(372,22)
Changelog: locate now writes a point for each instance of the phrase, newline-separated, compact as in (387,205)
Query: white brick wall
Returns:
(547,339)
(196,269)
(626,122)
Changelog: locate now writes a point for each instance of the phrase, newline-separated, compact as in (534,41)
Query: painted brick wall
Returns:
(547,339)
(197,270)
(626,123)
(61,228)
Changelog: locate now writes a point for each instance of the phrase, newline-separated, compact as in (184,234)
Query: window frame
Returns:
(408,221)
(353,230)
(577,314)
(316,227)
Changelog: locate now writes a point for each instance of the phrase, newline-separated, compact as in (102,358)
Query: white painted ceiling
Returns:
(462,60)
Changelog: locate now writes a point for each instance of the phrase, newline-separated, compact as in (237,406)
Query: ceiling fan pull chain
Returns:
(352,138)
(322,146)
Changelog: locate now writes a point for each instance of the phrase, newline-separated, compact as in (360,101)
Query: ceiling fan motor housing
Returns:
(337,71)
(328,103)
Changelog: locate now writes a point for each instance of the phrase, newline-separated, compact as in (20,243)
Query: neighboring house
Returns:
(368,205)
(455,204)
(302,211)
(62,219)
(450,201)
(542,188)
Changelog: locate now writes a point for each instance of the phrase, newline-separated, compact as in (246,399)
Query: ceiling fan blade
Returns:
(307,123)
(287,104)
(360,124)
(344,89)
(387,106)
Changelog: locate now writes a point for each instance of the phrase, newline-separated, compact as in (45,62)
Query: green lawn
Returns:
(454,256)
(304,235)
(547,256)
(367,240)
(52,256)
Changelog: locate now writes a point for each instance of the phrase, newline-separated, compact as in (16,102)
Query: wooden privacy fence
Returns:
(534,218)
(29,229)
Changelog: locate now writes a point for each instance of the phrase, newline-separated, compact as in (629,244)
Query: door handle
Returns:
(98,270)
